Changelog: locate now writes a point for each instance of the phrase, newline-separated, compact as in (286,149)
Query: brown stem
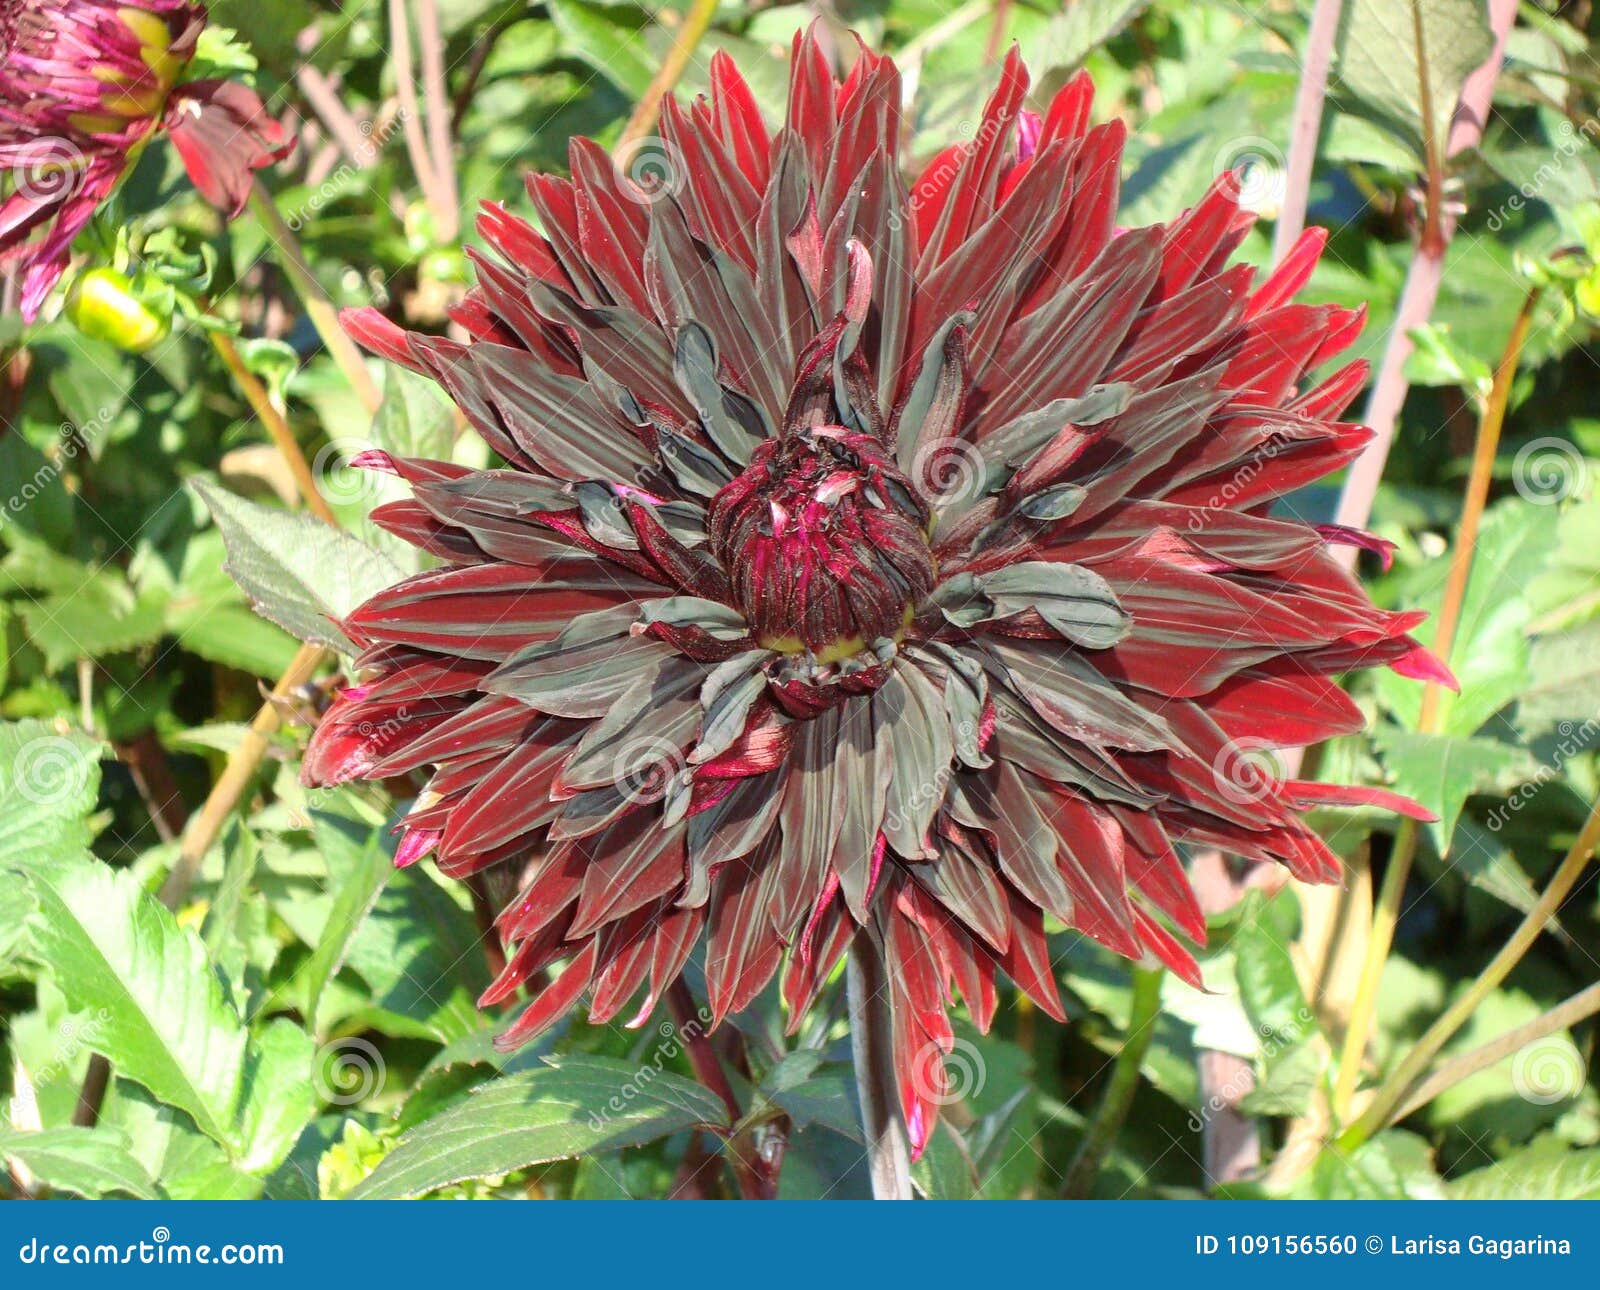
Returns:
(997,30)
(1565,1014)
(337,119)
(707,1067)
(151,772)
(282,436)
(236,777)
(436,93)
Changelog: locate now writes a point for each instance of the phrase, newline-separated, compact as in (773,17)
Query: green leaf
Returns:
(1545,1170)
(278,1096)
(1441,772)
(206,611)
(1564,693)
(360,880)
(609,40)
(86,1162)
(297,571)
(110,945)
(49,779)
(1080,29)
(583,1106)
(1379,71)
(945,1170)
(100,614)
(415,419)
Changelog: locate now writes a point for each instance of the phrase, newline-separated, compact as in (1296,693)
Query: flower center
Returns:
(825,543)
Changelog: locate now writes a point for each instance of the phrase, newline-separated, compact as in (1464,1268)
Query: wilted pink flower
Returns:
(83,86)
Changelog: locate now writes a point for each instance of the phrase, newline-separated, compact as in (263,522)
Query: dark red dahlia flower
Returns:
(869,559)
(83,86)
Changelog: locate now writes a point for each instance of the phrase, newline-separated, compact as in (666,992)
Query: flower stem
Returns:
(1117,1100)
(872,1044)
(319,308)
(282,437)
(1307,125)
(695,24)
(1417,297)
(1399,1086)
(1567,1013)
(1386,913)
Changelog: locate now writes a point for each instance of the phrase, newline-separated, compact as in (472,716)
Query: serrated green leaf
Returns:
(360,880)
(1545,1170)
(86,1162)
(1442,771)
(583,1106)
(110,945)
(277,1095)
(297,571)
(49,779)
(1378,72)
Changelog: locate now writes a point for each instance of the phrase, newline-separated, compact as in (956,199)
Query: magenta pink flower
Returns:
(84,84)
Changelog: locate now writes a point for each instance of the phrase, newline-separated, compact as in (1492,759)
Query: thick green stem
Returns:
(1117,1100)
